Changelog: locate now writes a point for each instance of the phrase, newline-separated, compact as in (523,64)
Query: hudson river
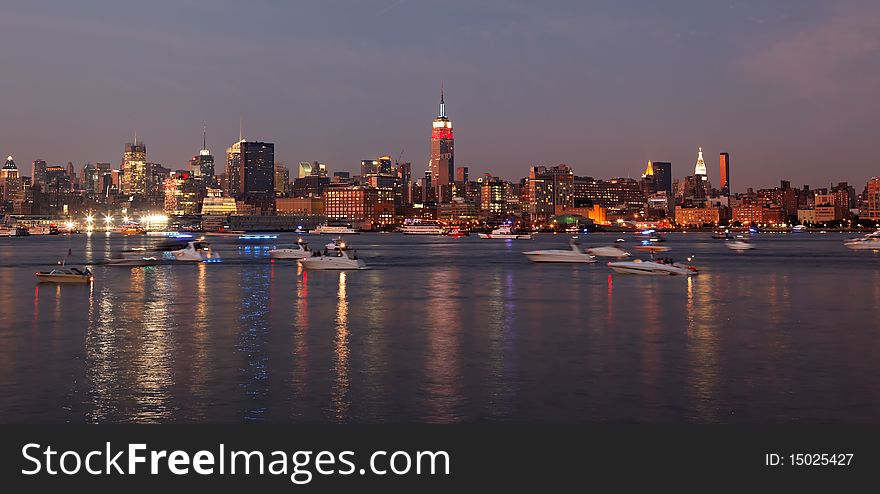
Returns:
(443,330)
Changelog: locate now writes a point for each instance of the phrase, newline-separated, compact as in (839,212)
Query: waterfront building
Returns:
(216,204)
(310,186)
(134,169)
(365,206)
(698,216)
(442,163)
(300,206)
(816,215)
(458,212)
(724,164)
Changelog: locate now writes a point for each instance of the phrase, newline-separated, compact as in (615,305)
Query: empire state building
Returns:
(442,161)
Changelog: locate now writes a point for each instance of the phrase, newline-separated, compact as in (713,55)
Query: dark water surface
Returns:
(443,330)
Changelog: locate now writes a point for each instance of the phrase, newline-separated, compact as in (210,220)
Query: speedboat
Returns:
(870,241)
(609,251)
(133,257)
(299,250)
(620,240)
(197,251)
(423,228)
(337,242)
(740,244)
(574,254)
(300,229)
(338,258)
(652,268)
(65,275)
(335,229)
(456,233)
(505,232)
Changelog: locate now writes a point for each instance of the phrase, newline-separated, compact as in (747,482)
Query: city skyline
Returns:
(603,88)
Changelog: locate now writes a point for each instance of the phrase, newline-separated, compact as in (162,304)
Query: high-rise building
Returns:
(201,166)
(724,161)
(314,168)
(492,195)
(134,168)
(282,179)
(662,176)
(461,174)
(38,174)
(250,169)
(700,166)
(9,180)
(872,199)
(404,172)
(442,151)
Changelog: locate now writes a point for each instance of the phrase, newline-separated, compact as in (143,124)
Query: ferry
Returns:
(423,228)
(337,229)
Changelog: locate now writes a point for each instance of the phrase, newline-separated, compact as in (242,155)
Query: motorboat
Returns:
(456,233)
(619,240)
(335,229)
(870,241)
(338,258)
(133,257)
(609,251)
(653,268)
(300,229)
(740,244)
(337,242)
(505,232)
(573,254)
(725,235)
(196,251)
(299,250)
(65,275)
(798,229)
(423,228)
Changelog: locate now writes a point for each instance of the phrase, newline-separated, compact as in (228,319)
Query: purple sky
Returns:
(791,89)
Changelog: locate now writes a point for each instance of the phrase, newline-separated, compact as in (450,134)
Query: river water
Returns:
(443,330)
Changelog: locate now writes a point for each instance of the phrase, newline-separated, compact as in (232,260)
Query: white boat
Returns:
(133,257)
(652,268)
(335,229)
(339,258)
(13,231)
(739,245)
(337,242)
(609,251)
(299,250)
(870,241)
(505,232)
(65,275)
(423,228)
(197,251)
(573,254)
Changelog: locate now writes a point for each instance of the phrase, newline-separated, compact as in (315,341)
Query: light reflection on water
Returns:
(441,330)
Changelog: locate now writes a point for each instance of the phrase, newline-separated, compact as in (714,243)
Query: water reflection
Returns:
(300,351)
(342,383)
(152,362)
(252,344)
(442,380)
(702,345)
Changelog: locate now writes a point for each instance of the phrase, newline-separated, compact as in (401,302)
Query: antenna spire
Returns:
(442,103)
(240,138)
(204,136)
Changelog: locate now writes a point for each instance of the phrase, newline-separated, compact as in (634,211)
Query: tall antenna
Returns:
(204,136)
(240,138)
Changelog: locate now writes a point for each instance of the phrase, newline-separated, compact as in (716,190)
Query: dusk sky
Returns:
(791,89)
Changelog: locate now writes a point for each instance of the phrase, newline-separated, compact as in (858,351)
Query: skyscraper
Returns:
(724,161)
(9,179)
(700,167)
(134,168)
(442,154)
(202,165)
(462,174)
(282,179)
(38,175)
(662,176)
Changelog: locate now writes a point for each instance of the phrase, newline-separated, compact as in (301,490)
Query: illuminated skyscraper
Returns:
(724,160)
(700,167)
(202,165)
(134,168)
(10,182)
(38,175)
(442,154)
